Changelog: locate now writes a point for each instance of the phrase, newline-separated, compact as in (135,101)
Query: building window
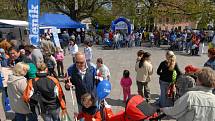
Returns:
(174,20)
(167,20)
(160,20)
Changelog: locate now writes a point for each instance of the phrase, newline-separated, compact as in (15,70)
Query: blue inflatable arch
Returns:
(113,24)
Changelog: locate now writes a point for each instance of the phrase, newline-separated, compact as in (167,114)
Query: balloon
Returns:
(103,89)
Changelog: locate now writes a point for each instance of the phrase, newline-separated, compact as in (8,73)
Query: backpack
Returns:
(35,102)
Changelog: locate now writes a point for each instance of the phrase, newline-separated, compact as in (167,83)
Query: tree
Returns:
(103,17)
(84,8)
(201,11)
(7,10)
(17,9)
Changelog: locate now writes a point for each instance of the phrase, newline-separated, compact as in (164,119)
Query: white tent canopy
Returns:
(14,22)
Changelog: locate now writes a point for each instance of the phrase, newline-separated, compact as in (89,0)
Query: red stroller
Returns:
(137,109)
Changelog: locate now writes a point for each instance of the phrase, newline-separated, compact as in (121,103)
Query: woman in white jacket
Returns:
(144,71)
(73,49)
(15,87)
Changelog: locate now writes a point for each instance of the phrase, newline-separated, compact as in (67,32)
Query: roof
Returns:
(14,22)
(59,21)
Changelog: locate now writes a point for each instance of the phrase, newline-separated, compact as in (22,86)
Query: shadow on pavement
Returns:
(115,102)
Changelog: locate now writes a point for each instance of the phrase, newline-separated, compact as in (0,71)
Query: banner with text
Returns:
(33,21)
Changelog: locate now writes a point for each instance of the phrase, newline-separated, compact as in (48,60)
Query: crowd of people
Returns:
(33,86)
(190,41)
(31,77)
(33,83)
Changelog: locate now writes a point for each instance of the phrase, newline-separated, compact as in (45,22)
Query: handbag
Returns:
(171,92)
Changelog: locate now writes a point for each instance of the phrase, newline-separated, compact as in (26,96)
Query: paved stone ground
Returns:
(125,58)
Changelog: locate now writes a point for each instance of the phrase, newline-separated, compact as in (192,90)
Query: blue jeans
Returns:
(130,43)
(188,46)
(137,42)
(164,100)
(22,117)
(116,45)
(51,115)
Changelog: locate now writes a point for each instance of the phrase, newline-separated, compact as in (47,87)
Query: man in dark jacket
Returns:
(50,93)
(82,77)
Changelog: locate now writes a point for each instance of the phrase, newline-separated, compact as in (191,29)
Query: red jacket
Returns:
(88,117)
(97,116)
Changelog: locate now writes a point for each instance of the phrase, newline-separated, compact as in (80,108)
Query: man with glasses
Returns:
(82,76)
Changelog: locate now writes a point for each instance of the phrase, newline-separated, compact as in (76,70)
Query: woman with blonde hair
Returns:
(168,71)
(16,86)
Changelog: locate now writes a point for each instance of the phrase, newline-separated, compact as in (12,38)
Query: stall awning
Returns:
(59,21)
(13,23)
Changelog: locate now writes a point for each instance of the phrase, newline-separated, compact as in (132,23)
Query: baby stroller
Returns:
(107,44)
(137,109)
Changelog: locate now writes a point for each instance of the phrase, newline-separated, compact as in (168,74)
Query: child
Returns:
(90,111)
(88,51)
(59,56)
(50,63)
(126,84)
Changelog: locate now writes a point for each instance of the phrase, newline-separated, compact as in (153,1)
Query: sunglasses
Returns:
(77,62)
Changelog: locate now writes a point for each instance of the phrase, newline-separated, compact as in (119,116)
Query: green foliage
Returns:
(17,9)
(196,10)
(85,9)
(103,17)
(5,11)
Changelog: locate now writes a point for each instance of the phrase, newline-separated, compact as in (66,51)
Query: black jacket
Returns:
(46,86)
(82,86)
(165,73)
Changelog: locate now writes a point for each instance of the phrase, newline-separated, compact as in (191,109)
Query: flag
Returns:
(33,21)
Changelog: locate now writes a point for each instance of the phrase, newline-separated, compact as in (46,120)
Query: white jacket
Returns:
(88,53)
(198,105)
(104,71)
(73,50)
(145,72)
(15,88)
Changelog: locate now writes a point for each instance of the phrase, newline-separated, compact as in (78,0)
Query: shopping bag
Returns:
(7,104)
(65,117)
(171,91)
